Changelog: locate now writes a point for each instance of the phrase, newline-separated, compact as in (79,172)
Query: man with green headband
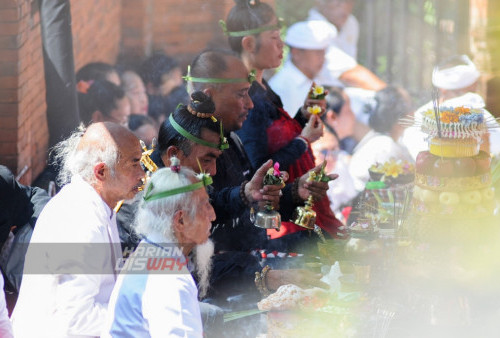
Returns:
(160,298)
(223,76)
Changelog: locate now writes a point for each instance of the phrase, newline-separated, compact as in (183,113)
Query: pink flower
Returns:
(276,169)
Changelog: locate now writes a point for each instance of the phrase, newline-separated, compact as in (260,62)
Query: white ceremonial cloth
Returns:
(56,304)
(416,141)
(373,147)
(292,86)
(154,305)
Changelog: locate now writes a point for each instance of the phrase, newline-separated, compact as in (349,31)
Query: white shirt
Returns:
(292,86)
(416,140)
(341,191)
(373,147)
(163,304)
(69,293)
(337,61)
(347,38)
(5,325)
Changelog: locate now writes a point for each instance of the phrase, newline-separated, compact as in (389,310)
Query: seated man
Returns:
(174,218)
(70,266)
(223,76)
(341,67)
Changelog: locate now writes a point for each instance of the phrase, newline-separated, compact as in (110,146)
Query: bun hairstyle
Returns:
(201,104)
(246,15)
(392,103)
(187,117)
(101,95)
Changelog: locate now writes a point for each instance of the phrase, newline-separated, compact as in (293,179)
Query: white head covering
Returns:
(457,76)
(313,34)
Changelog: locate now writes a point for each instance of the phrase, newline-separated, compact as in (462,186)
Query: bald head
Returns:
(212,64)
(103,135)
(108,158)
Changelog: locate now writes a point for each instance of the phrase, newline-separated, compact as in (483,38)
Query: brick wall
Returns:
(96,30)
(8,82)
(23,124)
(184,28)
(23,128)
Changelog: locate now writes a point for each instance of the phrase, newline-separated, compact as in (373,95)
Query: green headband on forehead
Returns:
(249,79)
(253,31)
(205,180)
(223,142)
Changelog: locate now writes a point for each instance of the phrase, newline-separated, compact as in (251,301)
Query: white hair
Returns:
(73,161)
(203,265)
(155,218)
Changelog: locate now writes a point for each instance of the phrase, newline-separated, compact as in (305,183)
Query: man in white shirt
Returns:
(161,299)
(71,263)
(341,68)
(308,41)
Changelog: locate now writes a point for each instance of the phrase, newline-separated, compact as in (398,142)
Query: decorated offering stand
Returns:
(421,258)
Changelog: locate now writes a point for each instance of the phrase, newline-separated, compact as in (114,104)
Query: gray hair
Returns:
(73,161)
(155,218)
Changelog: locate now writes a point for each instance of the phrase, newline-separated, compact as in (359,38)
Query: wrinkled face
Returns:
(269,49)
(128,172)
(136,93)
(231,100)
(169,81)
(121,113)
(197,229)
(336,11)
(309,61)
(206,155)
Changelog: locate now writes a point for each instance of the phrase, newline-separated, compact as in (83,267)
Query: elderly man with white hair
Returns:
(456,78)
(70,266)
(161,299)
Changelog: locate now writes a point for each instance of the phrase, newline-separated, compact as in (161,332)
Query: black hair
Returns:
(135,121)
(392,103)
(210,63)
(94,71)
(168,136)
(154,67)
(245,15)
(334,100)
(100,96)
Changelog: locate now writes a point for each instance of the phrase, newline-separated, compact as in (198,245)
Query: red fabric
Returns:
(280,133)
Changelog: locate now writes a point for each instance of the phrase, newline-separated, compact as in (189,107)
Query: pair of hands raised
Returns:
(255,192)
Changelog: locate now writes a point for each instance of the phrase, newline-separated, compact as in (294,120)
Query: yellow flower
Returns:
(318,90)
(393,168)
(315,110)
